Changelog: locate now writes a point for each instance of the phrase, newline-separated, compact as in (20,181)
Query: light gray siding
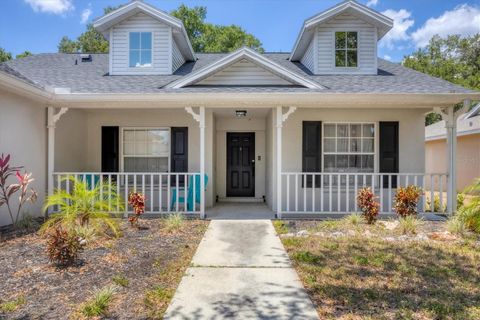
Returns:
(367,45)
(177,58)
(161,44)
(244,72)
(308,58)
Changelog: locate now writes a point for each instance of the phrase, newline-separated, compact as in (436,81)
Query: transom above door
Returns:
(240,164)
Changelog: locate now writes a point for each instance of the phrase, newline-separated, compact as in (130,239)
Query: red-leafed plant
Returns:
(9,190)
(367,202)
(406,200)
(63,246)
(137,201)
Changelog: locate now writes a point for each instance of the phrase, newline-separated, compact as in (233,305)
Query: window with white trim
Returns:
(346,49)
(348,147)
(140,49)
(146,149)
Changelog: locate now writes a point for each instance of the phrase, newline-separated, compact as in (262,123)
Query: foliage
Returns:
(456,225)
(63,246)
(207,37)
(460,200)
(455,59)
(367,202)
(67,45)
(137,201)
(86,233)
(353,219)
(120,280)
(85,206)
(280,226)
(10,306)
(23,54)
(406,200)
(99,304)
(174,222)
(8,191)
(27,222)
(5,55)
(409,224)
(469,213)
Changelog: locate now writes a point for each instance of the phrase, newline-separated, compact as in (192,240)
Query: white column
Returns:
(450,125)
(202,162)
(279,124)
(51,151)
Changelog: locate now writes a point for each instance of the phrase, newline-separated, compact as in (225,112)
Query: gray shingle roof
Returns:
(59,70)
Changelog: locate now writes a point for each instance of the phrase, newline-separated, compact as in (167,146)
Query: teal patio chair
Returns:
(192,199)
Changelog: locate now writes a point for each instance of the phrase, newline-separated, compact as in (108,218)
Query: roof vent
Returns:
(86,57)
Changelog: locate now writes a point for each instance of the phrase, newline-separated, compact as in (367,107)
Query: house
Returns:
(468,149)
(301,131)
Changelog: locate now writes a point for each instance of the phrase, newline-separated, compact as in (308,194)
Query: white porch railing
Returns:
(306,192)
(159,189)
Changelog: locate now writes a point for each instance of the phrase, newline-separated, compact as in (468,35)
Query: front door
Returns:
(240,164)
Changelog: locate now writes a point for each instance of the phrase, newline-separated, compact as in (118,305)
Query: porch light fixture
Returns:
(241,113)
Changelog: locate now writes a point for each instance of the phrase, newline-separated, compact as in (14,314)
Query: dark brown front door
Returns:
(240,164)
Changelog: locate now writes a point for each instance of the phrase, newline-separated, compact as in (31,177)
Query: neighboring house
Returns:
(468,150)
(302,131)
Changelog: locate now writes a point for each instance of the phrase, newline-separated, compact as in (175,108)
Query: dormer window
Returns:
(140,48)
(346,49)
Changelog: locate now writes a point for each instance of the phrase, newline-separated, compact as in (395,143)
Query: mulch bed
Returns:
(138,255)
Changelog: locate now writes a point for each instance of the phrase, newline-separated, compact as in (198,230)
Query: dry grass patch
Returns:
(366,278)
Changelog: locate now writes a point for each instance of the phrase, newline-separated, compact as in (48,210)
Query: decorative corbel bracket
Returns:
(195,116)
(450,115)
(54,117)
(289,112)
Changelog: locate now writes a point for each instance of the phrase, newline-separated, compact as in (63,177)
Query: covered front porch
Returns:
(168,154)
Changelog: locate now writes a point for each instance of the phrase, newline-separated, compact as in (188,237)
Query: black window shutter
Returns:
(179,150)
(110,153)
(389,150)
(312,149)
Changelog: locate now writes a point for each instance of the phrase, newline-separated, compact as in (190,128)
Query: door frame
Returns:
(227,140)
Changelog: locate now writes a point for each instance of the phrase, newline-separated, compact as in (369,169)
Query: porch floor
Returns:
(239,211)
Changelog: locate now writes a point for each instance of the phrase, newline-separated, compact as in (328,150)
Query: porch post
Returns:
(52,118)
(279,125)
(202,162)
(450,116)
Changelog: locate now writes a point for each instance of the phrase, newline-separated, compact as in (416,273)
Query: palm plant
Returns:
(469,213)
(84,206)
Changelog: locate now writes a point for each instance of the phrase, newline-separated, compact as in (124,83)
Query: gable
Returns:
(244,73)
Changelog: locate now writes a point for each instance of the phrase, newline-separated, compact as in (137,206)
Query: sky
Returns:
(38,25)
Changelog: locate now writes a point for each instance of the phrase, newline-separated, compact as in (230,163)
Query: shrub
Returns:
(353,219)
(8,190)
(409,224)
(137,201)
(456,225)
(470,213)
(460,200)
(99,304)
(174,222)
(369,205)
(63,247)
(84,206)
(406,200)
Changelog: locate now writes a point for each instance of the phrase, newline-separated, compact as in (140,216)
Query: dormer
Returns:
(144,40)
(341,40)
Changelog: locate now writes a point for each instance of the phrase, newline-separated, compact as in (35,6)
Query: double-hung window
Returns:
(146,149)
(348,147)
(346,49)
(140,49)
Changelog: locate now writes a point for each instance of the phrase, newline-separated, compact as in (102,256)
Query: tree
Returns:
(4,55)
(207,37)
(23,54)
(455,59)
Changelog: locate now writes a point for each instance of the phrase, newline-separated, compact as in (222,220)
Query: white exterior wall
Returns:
(71,142)
(367,45)
(23,135)
(161,46)
(177,58)
(309,56)
(256,125)
(244,72)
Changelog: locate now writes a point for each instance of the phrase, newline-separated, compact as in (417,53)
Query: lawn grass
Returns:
(358,277)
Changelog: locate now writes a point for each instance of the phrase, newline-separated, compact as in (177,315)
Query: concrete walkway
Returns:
(241,271)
